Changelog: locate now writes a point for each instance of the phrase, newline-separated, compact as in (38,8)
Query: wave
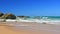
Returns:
(43,19)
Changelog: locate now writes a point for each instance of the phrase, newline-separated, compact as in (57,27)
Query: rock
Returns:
(8,16)
(1,14)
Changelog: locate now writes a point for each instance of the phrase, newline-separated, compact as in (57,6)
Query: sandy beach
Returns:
(29,28)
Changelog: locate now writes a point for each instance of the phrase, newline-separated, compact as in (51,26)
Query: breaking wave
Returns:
(46,19)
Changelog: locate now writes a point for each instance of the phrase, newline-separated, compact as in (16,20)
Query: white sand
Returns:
(30,28)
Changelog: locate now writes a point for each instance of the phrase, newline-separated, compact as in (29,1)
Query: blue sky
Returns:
(31,7)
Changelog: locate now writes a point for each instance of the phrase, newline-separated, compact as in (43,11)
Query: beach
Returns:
(29,28)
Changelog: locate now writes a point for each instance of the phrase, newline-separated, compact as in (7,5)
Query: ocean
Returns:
(43,19)
(54,20)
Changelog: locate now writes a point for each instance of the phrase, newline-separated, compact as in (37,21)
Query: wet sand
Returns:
(29,28)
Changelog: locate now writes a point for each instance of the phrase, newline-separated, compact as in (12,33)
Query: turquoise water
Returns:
(53,17)
(44,19)
(47,17)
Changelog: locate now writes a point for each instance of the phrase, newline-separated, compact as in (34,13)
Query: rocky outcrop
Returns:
(1,14)
(24,16)
(7,16)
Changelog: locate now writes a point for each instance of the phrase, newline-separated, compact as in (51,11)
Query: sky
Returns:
(31,7)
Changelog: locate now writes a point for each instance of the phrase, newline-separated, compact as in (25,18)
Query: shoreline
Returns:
(30,28)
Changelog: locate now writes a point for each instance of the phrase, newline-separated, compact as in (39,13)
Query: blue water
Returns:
(45,17)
